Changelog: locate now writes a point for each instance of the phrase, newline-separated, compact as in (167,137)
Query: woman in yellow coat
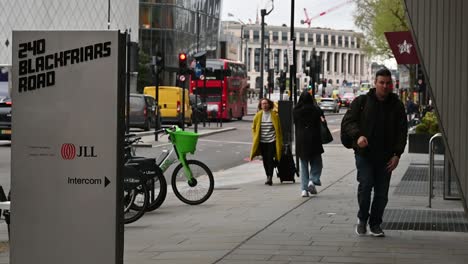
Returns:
(267,137)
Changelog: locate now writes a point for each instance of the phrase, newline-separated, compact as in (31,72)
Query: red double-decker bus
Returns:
(224,90)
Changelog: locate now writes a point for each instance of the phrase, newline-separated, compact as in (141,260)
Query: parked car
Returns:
(5,108)
(347,99)
(143,111)
(330,104)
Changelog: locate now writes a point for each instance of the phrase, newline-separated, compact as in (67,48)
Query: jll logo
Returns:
(68,151)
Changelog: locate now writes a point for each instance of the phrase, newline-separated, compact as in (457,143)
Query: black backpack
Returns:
(347,140)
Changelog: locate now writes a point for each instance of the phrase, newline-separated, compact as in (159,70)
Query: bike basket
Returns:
(185,141)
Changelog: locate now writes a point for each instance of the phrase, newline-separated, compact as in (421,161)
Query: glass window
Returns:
(257,60)
(301,37)
(284,36)
(319,39)
(275,36)
(325,40)
(333,40)
(256,35)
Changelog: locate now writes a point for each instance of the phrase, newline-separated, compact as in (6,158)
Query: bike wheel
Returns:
(135,203)
(195,192)
(157,188)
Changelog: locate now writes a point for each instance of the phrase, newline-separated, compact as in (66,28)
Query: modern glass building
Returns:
(174,26)
(64,15)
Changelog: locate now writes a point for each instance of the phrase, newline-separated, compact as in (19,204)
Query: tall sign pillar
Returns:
(67,147)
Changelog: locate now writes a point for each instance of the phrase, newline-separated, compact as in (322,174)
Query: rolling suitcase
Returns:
(286,168)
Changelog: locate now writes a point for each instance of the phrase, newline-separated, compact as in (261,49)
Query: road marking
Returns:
(229,142)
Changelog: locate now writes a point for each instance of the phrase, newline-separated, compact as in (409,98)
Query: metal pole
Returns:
(242,42)
(108,13)
(292,74)
(195,127)
(127,83)
(183,104)
(156,84)
(431,167)
(262,50)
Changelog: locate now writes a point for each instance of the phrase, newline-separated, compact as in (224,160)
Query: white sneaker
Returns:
(305,194)
(311,188)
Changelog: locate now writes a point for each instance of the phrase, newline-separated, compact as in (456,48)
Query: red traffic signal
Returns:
(182,60)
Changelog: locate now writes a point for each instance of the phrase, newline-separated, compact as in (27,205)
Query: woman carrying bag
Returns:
(307,119)
(267,137)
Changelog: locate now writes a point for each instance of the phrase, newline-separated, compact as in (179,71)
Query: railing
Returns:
(431,167)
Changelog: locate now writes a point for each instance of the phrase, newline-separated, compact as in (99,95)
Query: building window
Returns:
(325,40)
(340,41)
(285,59)
(276,60)
(284,36)
(304,59)
(310,38)
(346,42)
(257,60)
(256,35)
(301,37)
(246,34)
(319,39)
(333,40)
(275,36)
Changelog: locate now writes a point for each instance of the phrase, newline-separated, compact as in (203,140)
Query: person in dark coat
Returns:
(307,117)
(377,124)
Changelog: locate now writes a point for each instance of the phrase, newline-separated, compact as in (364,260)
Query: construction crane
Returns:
(309,19)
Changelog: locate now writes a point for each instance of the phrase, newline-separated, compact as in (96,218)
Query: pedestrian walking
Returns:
(307,117)
(377,124)
(267,137)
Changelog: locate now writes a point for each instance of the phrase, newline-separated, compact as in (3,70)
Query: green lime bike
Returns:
(192,181)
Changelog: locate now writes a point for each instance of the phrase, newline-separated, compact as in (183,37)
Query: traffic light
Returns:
(282,82)
(271,79)
(182,63)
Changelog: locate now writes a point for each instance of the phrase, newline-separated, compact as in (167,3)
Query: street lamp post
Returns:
(263,13)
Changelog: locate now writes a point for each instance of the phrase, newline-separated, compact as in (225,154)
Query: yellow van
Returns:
(170,104)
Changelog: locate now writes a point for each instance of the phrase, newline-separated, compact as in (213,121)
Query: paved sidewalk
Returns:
(246,221)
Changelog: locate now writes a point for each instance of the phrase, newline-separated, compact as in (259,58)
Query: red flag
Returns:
(403,47)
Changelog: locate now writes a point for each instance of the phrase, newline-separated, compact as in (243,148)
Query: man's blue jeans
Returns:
(372,175)
(315,170)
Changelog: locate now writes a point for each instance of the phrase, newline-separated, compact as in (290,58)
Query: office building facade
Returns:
(343,60)
(64,15)
(172,27)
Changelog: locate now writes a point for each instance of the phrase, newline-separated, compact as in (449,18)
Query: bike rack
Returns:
(431,167)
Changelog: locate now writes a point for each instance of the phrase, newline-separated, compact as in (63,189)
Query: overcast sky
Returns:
(339,18)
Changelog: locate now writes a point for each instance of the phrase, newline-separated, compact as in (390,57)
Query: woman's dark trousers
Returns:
(268,151)
(372,175)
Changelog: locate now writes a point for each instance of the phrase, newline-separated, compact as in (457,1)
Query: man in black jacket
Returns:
(378,126)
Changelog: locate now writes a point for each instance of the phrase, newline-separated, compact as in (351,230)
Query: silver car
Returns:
(330,104)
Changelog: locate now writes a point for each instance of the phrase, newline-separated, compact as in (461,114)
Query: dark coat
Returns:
(360,121)
(308,137)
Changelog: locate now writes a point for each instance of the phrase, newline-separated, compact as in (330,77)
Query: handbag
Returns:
(325,133)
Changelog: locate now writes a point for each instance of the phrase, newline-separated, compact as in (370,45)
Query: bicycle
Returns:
(192,181)
(145,187)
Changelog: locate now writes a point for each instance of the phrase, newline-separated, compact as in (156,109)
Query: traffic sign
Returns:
(198,70)
(202,77)
(182,78)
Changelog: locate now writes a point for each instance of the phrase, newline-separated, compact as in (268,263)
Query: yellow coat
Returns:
(256,134)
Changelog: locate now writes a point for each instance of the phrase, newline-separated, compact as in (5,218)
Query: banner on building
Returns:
(403,47)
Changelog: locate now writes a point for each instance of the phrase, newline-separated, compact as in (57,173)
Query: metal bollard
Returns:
(431,167)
